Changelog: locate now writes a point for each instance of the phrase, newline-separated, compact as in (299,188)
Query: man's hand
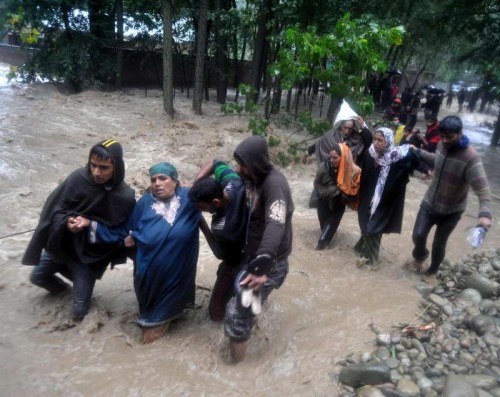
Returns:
(485,222)
(360,121)
(77,224)
(253,281)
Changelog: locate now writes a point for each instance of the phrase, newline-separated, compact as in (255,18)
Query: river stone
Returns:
(406,361)
(388,392)
(424,384)
(466,342)
(424,289)
(408,387)
(413,353)
(496,264)
(483,393)
(392,363)
(358,375)
(433,372)
(485,382)
(395,337)
(480,325)
(366,357)
(469,297)
(491,340)
(458,386)
(383,353)
(383,339)
(437,300)
(395,376)
(485,268)
(448,309)
(495,392)
(418,345)
(482,284)
(369,391)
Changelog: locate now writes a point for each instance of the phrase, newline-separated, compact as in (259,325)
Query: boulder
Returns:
(358,375)
(458,386)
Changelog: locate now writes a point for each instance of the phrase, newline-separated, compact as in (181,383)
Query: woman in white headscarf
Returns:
(386,172)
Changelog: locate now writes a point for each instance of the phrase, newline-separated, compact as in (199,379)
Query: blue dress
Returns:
(167,241)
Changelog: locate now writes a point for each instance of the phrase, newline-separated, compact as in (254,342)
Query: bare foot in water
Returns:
(413,266)
(150,334)
(430,279)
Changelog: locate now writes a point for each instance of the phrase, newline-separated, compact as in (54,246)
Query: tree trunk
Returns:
(200,55)
(220,54)
(168,75)
(335,102)
(417,77)
(495,139)
(260,49)
(119,44)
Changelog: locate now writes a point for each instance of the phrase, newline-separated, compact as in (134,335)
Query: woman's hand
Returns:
(129,241)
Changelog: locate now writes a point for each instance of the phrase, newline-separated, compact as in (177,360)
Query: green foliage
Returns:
(340,60)
(249,107)
(258,126)
(314,127)
(273,141)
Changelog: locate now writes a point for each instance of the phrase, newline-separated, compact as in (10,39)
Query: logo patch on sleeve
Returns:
(277,211)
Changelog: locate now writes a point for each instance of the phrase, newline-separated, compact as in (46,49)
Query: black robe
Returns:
(80,195)
(388,217)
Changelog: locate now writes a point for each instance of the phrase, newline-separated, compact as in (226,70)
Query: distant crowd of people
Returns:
(92,219)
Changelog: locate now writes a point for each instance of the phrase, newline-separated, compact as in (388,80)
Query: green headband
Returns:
(165,169)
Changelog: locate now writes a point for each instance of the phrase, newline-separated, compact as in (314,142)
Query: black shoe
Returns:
(430,272)
(325,238)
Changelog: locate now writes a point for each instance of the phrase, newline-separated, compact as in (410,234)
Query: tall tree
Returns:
(259,50)
(200,55)
(168,79)
(119,44)
(221,51)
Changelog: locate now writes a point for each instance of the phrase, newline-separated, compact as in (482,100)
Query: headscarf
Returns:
(391,155)
(349,174)
(325,143)
(165,169)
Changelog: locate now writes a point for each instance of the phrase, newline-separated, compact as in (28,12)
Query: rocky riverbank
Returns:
(452,348)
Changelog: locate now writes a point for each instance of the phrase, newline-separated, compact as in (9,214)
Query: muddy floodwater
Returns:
(322,313)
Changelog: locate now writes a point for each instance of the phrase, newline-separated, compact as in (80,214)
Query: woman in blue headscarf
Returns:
(164,229)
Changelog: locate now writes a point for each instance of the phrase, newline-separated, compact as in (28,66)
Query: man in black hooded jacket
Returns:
(268,241)
(60,244)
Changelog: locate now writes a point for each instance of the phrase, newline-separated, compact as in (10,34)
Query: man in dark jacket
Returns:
(224,196)
(457,166)
(60,244)
(269,241)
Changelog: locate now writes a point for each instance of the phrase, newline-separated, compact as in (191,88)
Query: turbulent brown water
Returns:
(322,313)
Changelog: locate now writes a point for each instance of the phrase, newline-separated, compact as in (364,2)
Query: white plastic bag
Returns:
(345,113)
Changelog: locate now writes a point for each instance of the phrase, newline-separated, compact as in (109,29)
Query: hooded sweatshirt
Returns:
(270,202)
(77,195)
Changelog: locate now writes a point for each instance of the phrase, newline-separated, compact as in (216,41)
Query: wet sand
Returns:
(322,313)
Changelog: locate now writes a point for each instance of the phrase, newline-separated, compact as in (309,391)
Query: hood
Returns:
(114,148)
(253,153)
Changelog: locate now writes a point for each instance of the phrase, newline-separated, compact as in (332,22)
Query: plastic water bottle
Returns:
(476,236)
